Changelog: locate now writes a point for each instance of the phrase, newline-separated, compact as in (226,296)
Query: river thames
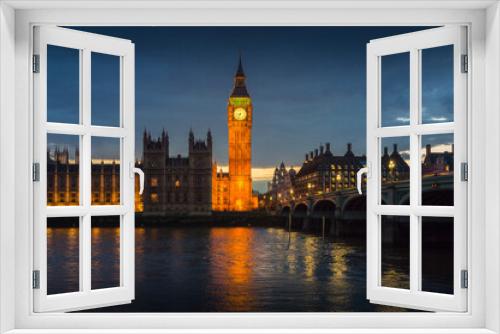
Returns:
(226,269)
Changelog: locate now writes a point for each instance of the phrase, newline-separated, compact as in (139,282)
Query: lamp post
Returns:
(392,165)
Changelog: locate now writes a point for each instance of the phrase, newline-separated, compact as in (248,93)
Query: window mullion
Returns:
(415,254)
(85,253)
(85,246)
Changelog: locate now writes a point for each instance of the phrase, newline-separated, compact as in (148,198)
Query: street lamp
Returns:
(392,165)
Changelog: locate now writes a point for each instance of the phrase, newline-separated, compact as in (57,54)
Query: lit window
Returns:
(154,182)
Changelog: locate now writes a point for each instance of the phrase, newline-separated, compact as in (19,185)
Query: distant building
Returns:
(180,185)
(323,172)
(437,163)
(320,173)
(195,185)
(63,180)
(220,189)
(281,188)
(394,167)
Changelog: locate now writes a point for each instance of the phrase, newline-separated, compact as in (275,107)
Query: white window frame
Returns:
(86,44)
(16,20)
(413,43)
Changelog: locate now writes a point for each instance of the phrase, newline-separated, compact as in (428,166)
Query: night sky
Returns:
(307,85)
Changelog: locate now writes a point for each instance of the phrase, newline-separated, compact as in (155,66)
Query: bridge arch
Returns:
(285,211)
(324,201)
(405,200)
(300,210)
(324,207)
(354,203)
(384,198)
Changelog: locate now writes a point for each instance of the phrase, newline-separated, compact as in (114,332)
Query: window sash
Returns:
(414,297)
(86,43)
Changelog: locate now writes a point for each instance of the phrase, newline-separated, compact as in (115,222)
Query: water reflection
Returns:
(395,251)
(245,269)
(63,255)
(231,266)
(105,252)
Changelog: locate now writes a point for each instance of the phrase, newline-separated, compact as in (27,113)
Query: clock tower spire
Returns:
(239,120)
(239,87)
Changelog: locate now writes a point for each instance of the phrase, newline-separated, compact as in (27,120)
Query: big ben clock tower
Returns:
(239,121)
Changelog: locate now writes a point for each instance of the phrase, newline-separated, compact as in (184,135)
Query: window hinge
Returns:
(465,64)
(464,279)
(36,279)
(36,63)
(464,171)
(36,171)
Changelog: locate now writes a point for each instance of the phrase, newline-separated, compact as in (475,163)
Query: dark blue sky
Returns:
(307,86)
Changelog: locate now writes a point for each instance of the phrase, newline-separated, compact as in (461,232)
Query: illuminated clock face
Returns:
(240,114)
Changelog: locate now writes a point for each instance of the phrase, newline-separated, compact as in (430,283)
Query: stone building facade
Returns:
(438,163)
(177,185)
(220,189)
(63,181)
(281,188)
(394,167)
(63,178)
(323,172)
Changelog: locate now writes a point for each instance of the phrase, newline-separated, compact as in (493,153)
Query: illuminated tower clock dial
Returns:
(240,114)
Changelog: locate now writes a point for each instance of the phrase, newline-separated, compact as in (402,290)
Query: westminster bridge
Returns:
(344,211)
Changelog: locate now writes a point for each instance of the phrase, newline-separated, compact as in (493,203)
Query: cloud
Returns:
(432,119)
(440,148)
(439,119)
(403,119)
(258,173)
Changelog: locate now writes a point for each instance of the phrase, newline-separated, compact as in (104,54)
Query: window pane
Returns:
(437,169)
(395,171)
(105,171)
(63,166)
(395,89)
(105,89)
(437,84)
(395,252)
(63,84)
(437,254)
(63,255)
(105,252)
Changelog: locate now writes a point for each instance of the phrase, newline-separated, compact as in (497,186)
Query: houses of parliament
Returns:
(191,184)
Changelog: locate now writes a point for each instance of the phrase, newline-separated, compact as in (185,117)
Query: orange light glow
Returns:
(233,265)
(239,196)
